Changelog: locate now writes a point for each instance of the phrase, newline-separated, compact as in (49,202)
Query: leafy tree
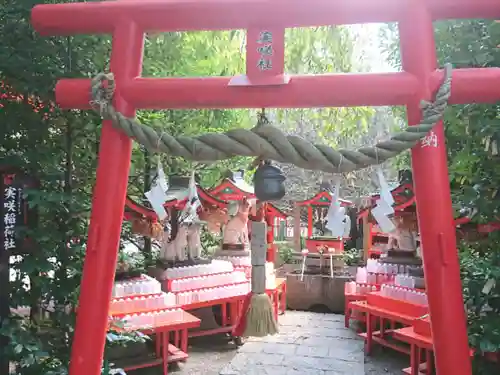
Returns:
(323,50)
(60,149)
(472,133)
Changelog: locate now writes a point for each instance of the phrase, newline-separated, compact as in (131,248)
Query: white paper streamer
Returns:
(190,212)
(157,197)
(336,213)
(385,191)
(386,225)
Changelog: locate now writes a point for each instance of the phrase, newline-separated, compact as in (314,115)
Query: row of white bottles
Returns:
(217,266)
(357,288)
(210,281)
(129,305)
(142,285)
(246,269)
(236,260)
(210,294)
(151,319)
(405,280)
(379,278)
(404,294)
(379,273)
(374,266)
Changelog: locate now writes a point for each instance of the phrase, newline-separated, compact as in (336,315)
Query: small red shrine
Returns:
(405,205)
(374,239)
(235,189)
(135,210)
(317,206)
(265,84)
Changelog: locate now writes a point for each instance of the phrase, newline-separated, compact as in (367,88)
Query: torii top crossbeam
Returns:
(265,84)
(301,91)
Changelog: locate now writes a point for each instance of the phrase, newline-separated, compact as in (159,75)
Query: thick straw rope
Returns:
(268,142)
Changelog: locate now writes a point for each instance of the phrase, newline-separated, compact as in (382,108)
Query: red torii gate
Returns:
(128,20)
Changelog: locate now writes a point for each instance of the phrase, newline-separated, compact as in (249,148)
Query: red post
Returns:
(435,215)
(271,253)
(309,221)
(107,213)
(265,58)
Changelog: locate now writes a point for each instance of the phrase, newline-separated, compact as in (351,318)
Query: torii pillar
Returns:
(128,20)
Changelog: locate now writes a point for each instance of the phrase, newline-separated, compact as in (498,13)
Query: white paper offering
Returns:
(347,226)
(384,207)
(336,223)
(385,191)
(162,178)
(157,197)
(189,213)
(336,213)
(386,225)
(334,205)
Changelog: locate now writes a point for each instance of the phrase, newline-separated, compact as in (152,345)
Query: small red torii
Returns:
(266,85)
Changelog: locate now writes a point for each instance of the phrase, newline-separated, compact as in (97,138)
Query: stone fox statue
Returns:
(179,236)
(215,218)
(194,241)
(236,230)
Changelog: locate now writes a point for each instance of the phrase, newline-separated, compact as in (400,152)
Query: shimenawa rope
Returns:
(266,141)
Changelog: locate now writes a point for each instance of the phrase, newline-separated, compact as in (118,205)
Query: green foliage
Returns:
(209,242)
(352,257)
(323,50)
(471,133)
(285,251)
(60,148)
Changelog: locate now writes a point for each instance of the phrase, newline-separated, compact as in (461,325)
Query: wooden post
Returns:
(309,221)
(367,237)
(258,257)
(271,248)
(296,228)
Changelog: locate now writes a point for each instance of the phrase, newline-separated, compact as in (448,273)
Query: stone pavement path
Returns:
(308,344)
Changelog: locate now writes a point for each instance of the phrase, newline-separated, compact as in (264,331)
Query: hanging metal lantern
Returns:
(269,183)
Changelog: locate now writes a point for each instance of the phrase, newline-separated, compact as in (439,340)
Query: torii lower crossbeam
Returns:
(129,20)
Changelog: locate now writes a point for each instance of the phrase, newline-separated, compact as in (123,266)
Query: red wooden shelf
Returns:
(168,282)
(375,299)
(212,287)
(378,337)
(141,311)
(199,305)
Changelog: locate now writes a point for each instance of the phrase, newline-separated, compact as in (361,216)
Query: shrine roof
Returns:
(177,198)
(233,189)
(323,198)
(277,212)
(404,199)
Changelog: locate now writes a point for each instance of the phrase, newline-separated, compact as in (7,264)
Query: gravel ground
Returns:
(218,356)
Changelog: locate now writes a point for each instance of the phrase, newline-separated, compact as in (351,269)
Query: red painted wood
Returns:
(265,58)
(435,212)
(326,90)
(322,199)
(397,306)
(313,245)
(128,19)
(107,215)
(178,15)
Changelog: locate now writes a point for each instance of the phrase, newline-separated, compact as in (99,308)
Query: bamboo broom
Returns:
(257,315)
